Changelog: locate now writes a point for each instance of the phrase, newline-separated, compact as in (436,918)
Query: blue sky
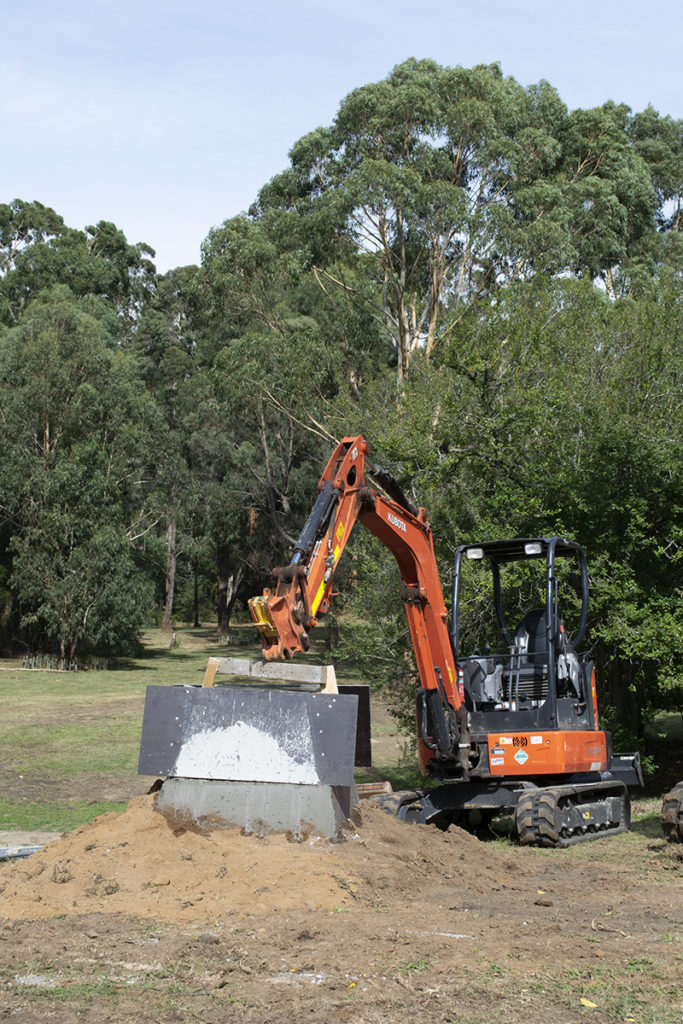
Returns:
(167,116)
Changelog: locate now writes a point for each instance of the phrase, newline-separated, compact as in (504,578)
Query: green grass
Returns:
(69,742)
(77,991)
(41,817)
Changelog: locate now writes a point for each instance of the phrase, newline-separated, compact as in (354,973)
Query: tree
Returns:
(165,342)
(76,459)
(438,179)
(38,251)
(659,141)
(23,225)
(607,187)
(271,357)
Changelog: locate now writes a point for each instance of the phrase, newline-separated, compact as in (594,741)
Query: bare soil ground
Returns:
(128,919)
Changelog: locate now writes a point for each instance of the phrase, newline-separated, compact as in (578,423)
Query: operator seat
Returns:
(529,660)
(529,665)
(530,639)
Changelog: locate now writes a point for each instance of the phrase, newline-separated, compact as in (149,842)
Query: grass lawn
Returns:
(69,742)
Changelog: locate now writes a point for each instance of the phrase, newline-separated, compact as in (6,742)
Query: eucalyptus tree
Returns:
(659,141)
(77,457)
(273,354)
(431,179)
(165,343)
(37,250)
(608,191)
(22,225)
(439,186)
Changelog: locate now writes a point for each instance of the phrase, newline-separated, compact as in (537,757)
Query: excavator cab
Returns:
(529,674)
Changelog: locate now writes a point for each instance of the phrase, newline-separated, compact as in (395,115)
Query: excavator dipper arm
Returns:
(303,589)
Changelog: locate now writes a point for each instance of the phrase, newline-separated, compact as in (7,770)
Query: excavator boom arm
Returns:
(303,588)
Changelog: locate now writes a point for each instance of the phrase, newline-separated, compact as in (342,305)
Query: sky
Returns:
(167,116)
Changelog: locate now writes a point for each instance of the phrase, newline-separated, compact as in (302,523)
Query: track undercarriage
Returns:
(550,816)
(564,815)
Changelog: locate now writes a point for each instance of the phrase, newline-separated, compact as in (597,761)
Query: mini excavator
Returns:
(514,731)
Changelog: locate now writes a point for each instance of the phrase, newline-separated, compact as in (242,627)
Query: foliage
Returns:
(76,426)
(37,251)
(485,284)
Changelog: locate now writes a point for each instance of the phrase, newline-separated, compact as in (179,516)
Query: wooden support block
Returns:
(211,670)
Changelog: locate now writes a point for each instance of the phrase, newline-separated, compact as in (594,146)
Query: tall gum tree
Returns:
(165,343)
(266,368)
(37,250)
(429,177)
(77,440)
(443,185)
(607,190)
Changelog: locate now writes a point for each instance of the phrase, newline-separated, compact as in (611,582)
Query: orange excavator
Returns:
(514,731)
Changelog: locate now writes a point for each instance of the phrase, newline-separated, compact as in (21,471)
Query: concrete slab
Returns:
(305,674)
(256,807)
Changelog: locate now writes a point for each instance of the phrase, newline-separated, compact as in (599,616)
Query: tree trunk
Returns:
(72,651)
(5,613)
(197,623)
(235,581)
(170,575)
(224,585)
(228,582)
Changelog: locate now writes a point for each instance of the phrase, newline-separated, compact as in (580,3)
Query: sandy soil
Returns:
(127,918)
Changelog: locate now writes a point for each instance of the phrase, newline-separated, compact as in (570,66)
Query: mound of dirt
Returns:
(136,863)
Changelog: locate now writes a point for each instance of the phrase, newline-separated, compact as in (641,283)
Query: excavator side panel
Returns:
(529,754)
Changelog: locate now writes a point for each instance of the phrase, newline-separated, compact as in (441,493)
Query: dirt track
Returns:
(125,919)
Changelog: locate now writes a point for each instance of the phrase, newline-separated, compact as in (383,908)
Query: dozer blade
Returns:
(249,733)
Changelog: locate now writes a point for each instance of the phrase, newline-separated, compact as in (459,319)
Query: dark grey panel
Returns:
(197,732)
(363,758)
(163,722)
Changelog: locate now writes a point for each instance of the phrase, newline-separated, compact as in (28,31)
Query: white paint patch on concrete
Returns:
(244,753)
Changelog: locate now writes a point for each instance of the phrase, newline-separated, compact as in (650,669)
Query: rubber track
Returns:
(671,817)
(538,818)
